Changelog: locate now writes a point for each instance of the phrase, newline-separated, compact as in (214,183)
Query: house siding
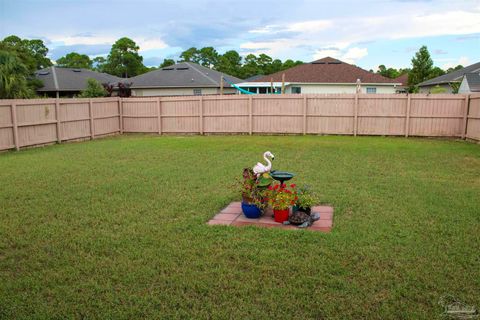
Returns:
(464,88)
(337,88)
(427,89)
(177,91)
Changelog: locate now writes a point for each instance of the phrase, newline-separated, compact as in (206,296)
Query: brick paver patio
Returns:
(232,215)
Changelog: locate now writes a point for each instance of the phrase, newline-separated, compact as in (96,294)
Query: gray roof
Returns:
(473,80)
(184,74)
(253,78)
(71,79)
(455,76)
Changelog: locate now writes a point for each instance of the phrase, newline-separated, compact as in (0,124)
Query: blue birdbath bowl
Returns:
(281,176)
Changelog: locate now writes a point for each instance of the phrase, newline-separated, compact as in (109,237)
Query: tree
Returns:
(13,77)
(454,69)
(289,63)
(167,63)
(190,55)
(75,60)
(436,72)
(94,89)
(250,67)
(98,63)
(391,73)
(230,63)
(124,60)
(422,66)
(32,53)
(208,57)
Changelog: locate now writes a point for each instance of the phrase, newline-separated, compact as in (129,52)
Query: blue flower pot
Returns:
(251,211)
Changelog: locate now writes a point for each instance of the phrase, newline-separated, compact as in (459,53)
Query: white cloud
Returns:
(150,44)
(464,61)
(350,56)
(340,34)
(144,43)
(309,26)
(85,40)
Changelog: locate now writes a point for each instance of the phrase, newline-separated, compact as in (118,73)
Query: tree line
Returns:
(20,58)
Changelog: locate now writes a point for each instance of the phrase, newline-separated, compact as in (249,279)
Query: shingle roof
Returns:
(473,80)
(403,79)
(71,79)
(326,70)
(184,74)
(452,76)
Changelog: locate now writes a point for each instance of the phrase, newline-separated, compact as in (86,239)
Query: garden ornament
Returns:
(302,219)
(260,168)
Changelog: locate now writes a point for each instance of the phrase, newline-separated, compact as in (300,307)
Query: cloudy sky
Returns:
(367,33)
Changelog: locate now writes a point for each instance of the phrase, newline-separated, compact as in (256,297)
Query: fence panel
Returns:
(40,121)
(74,119)
(330,114)
(382,114)
(278,114)
(36,121)
(6,127)
(181,115)
(437,115)
(139,115)
(225,114)
(473,123)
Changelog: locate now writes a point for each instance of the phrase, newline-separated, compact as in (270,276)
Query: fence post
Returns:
(15,126)
(465,116)
(250,114)
(407,116)
(355,116)
(90,112)
(57,116)
(120,114)
(304,115)
(159,114)
(201,114)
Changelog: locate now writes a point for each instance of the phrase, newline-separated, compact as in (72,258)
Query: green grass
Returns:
(116,229)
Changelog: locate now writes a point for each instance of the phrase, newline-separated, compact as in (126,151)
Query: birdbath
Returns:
(281,176)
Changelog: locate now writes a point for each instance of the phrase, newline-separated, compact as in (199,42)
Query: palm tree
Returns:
(13,77)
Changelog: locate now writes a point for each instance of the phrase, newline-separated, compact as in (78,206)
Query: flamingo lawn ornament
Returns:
(260,168)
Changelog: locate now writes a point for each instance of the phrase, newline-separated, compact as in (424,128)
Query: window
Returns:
(197,92)
(371,90)
(296,90)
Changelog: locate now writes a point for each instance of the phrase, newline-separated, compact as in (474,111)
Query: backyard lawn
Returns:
(116,229)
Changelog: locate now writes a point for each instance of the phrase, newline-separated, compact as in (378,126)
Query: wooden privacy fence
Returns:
(34,122)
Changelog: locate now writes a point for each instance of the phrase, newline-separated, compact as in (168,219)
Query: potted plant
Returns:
(306,199)
(280,197)
(252,189)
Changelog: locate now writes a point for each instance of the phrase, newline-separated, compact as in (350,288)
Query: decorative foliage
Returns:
(306,197)
(94,89)
(13,77)
(281,196)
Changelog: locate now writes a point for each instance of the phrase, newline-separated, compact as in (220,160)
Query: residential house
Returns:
(470,83)
(327,75)
(446,80)
(403,80)
(67,82)
(182,79)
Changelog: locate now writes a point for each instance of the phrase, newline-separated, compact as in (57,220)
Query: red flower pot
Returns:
(280,215)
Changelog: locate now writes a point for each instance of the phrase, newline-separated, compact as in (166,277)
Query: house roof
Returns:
(70,79)
(327,70)
(184,74)
(253,78)
(452,76)
(403,79)
(473,80)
